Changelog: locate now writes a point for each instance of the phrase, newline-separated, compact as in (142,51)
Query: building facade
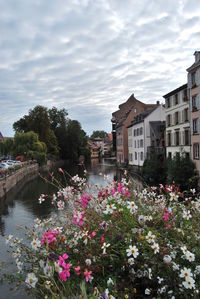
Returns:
(146,133)
(177,122)
(194,97)
(121,119)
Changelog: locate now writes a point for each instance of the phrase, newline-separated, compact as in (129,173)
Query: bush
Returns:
(182,171)
(113,242)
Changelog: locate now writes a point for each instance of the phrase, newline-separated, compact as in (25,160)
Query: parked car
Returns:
(4,165)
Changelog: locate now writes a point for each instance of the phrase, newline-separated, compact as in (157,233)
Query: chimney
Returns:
(158,103)
(197,56)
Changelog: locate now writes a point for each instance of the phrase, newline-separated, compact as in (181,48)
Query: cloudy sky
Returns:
(89,56)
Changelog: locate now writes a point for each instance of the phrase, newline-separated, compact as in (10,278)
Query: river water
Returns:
(21,207)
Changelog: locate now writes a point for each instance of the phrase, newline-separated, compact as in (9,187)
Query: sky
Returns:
(88,56)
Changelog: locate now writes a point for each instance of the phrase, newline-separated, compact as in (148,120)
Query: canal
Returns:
(21,207)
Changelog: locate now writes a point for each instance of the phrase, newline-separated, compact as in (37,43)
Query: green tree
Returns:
(28,144)
(76,140)
(182,171)
(154,169)
(99,134)
(38,121)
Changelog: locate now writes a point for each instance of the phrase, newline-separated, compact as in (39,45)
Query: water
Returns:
(21,207)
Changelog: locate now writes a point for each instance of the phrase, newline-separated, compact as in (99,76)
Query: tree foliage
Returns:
(154,169)
(99,134)
(38,121)
(62,136)
(182,171)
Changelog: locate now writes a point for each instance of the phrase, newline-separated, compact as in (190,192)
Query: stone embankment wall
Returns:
(8,182)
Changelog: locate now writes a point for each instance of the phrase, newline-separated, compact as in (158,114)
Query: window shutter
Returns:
(198,125)
(197,77)
(189,81)
(198,101)
(183,138)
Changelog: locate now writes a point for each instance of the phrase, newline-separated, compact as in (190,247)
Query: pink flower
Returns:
(77,270)
(49,237)
(88,275)
(78,218)
(84,200)
(60,169)
(65,273)
(166,216)
(62,259)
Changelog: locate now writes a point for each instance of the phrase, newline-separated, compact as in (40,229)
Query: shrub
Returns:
(114,242)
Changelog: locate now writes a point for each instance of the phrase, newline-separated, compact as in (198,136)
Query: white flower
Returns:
(110,281)
(167,259)
(150,237)
(41,198)
(47,270)
(109,209)
(8,238)
(60,205)
(36,244)
(148,218)
(141,218)
(160,279)
(189,283)
(186,272)
(132,251)
(31,280)
(132,207)
(147,291)
(197,270)
(131,261)
(186,214)
(175,266)
(57,267)
(42,264)
(184,249)
(155,247)
(88,262)
(190,256)
(104,247)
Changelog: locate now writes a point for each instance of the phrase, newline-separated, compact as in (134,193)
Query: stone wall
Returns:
(8,182)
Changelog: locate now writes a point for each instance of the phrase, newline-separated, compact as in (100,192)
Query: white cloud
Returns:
(89,56)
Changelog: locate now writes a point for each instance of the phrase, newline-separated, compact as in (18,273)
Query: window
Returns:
(186,137)
(141,156)
(168,103)
(169,139)
(185,98)
(138,132)
(186,111)
(194,103)
(193,79)
(135,144)
(195,129)
(135,155)
(141,142)
(135,132)
(138,143)
(135,110)
(141,131)
(176,99)
(169,120)
(177,138)
(196,151)
(176,118)
(130,157)
(169,155)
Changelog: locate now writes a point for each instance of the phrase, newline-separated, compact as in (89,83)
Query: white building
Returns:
(177,122)
(145,133)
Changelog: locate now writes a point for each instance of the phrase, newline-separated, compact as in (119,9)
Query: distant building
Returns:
(177,122)
(145,134)
(108,145)
(121,119)
(94,150)
(194,97)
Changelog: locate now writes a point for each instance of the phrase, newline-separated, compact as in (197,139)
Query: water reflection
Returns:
(20,207)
